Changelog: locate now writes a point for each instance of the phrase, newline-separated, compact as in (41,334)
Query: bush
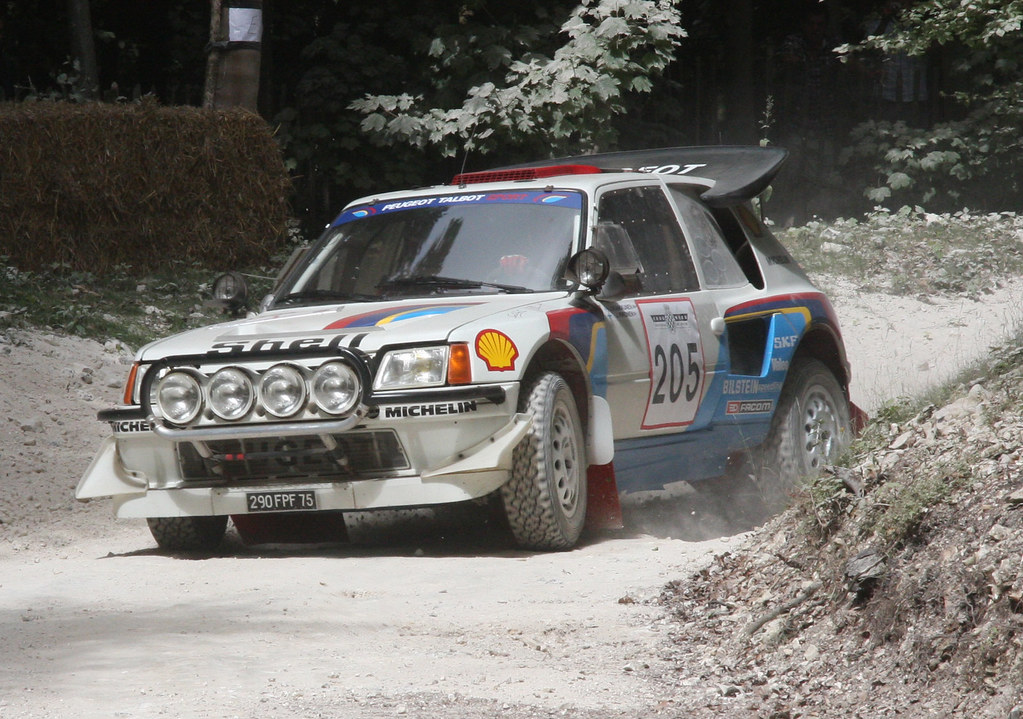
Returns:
(92,186)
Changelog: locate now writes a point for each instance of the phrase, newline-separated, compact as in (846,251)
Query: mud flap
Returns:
(859,419)
(603,510)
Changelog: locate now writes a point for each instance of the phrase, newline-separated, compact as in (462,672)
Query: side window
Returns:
(717,263)
(729,221)
(659,257)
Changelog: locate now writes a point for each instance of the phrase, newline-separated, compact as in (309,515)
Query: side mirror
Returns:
(614,288)
(230,293)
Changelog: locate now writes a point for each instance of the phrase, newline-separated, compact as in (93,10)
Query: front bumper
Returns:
(448,459)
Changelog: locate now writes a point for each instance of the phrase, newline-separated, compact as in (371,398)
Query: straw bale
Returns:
(91,186)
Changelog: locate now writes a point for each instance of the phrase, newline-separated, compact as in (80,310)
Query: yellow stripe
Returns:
(790,310)
(391,318)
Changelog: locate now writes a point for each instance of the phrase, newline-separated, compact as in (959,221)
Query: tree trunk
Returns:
(740,125)
(212,55)
(83,49)
(232,72)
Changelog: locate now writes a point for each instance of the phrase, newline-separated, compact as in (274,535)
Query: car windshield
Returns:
(445,244)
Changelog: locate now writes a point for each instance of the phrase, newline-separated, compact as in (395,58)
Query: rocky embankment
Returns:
(893,588)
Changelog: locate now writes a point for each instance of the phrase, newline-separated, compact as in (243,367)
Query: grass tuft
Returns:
(119,306)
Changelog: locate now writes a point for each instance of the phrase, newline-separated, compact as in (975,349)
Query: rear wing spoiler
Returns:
(739,172)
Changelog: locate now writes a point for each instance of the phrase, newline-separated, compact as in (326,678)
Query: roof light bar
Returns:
(526,173)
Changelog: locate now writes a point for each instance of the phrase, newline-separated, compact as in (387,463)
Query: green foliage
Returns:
(971,160)
(899,508)
(562,100)
(338,53)
(983,25)
(65,85)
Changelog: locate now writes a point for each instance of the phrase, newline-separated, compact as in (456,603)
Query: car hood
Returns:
(379,323)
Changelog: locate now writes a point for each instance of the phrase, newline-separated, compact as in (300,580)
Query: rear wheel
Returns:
(810,429)
(545,499)
(188,533)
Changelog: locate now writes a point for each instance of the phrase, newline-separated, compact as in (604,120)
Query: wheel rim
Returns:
(820,427)
(564,461)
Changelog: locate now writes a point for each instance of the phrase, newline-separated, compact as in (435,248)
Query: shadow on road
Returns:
(712,509)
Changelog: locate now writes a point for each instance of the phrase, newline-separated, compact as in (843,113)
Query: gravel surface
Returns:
(419,615)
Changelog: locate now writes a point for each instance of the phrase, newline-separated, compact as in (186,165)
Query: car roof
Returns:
(586,183)
(723,175)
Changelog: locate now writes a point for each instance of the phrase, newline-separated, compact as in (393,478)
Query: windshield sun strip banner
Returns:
(563,199)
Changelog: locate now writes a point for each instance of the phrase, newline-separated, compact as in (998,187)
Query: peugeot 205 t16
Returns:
(549,336)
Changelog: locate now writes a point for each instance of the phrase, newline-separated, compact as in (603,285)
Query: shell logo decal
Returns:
(497,350)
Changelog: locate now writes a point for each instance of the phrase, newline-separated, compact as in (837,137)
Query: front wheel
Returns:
(810,429)
(545,499)
(186,534)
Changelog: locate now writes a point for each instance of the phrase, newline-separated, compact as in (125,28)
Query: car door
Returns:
(664,349)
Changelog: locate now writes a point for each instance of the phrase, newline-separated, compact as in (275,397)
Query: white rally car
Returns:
(554,335)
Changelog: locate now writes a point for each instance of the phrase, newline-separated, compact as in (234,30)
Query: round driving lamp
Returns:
(230,393)
(179,397)
(282,390)
(230,291)
(335,388)
(589,268)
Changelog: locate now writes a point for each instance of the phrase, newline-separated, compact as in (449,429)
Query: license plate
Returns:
(300,501)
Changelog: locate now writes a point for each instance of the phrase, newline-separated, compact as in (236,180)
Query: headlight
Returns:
(230,393)
(413,367)
(179,397)
(282,390)
(335,388)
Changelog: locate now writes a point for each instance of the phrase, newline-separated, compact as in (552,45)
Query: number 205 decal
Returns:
(676,362)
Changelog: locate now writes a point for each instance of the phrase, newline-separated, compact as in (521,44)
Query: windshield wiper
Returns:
(328,295)
(448,283)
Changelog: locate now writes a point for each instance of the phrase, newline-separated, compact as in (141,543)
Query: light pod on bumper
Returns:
(230,393)
(335,388)
(179,397)
(282,390)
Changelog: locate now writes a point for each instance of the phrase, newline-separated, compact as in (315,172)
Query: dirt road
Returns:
(109,628)
(413,618)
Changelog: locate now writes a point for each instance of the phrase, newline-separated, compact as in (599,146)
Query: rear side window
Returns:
(718,265)
(643,217)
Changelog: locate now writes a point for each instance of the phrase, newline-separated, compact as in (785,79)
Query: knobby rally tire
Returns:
(188,533)
(545,499)
(810,429)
